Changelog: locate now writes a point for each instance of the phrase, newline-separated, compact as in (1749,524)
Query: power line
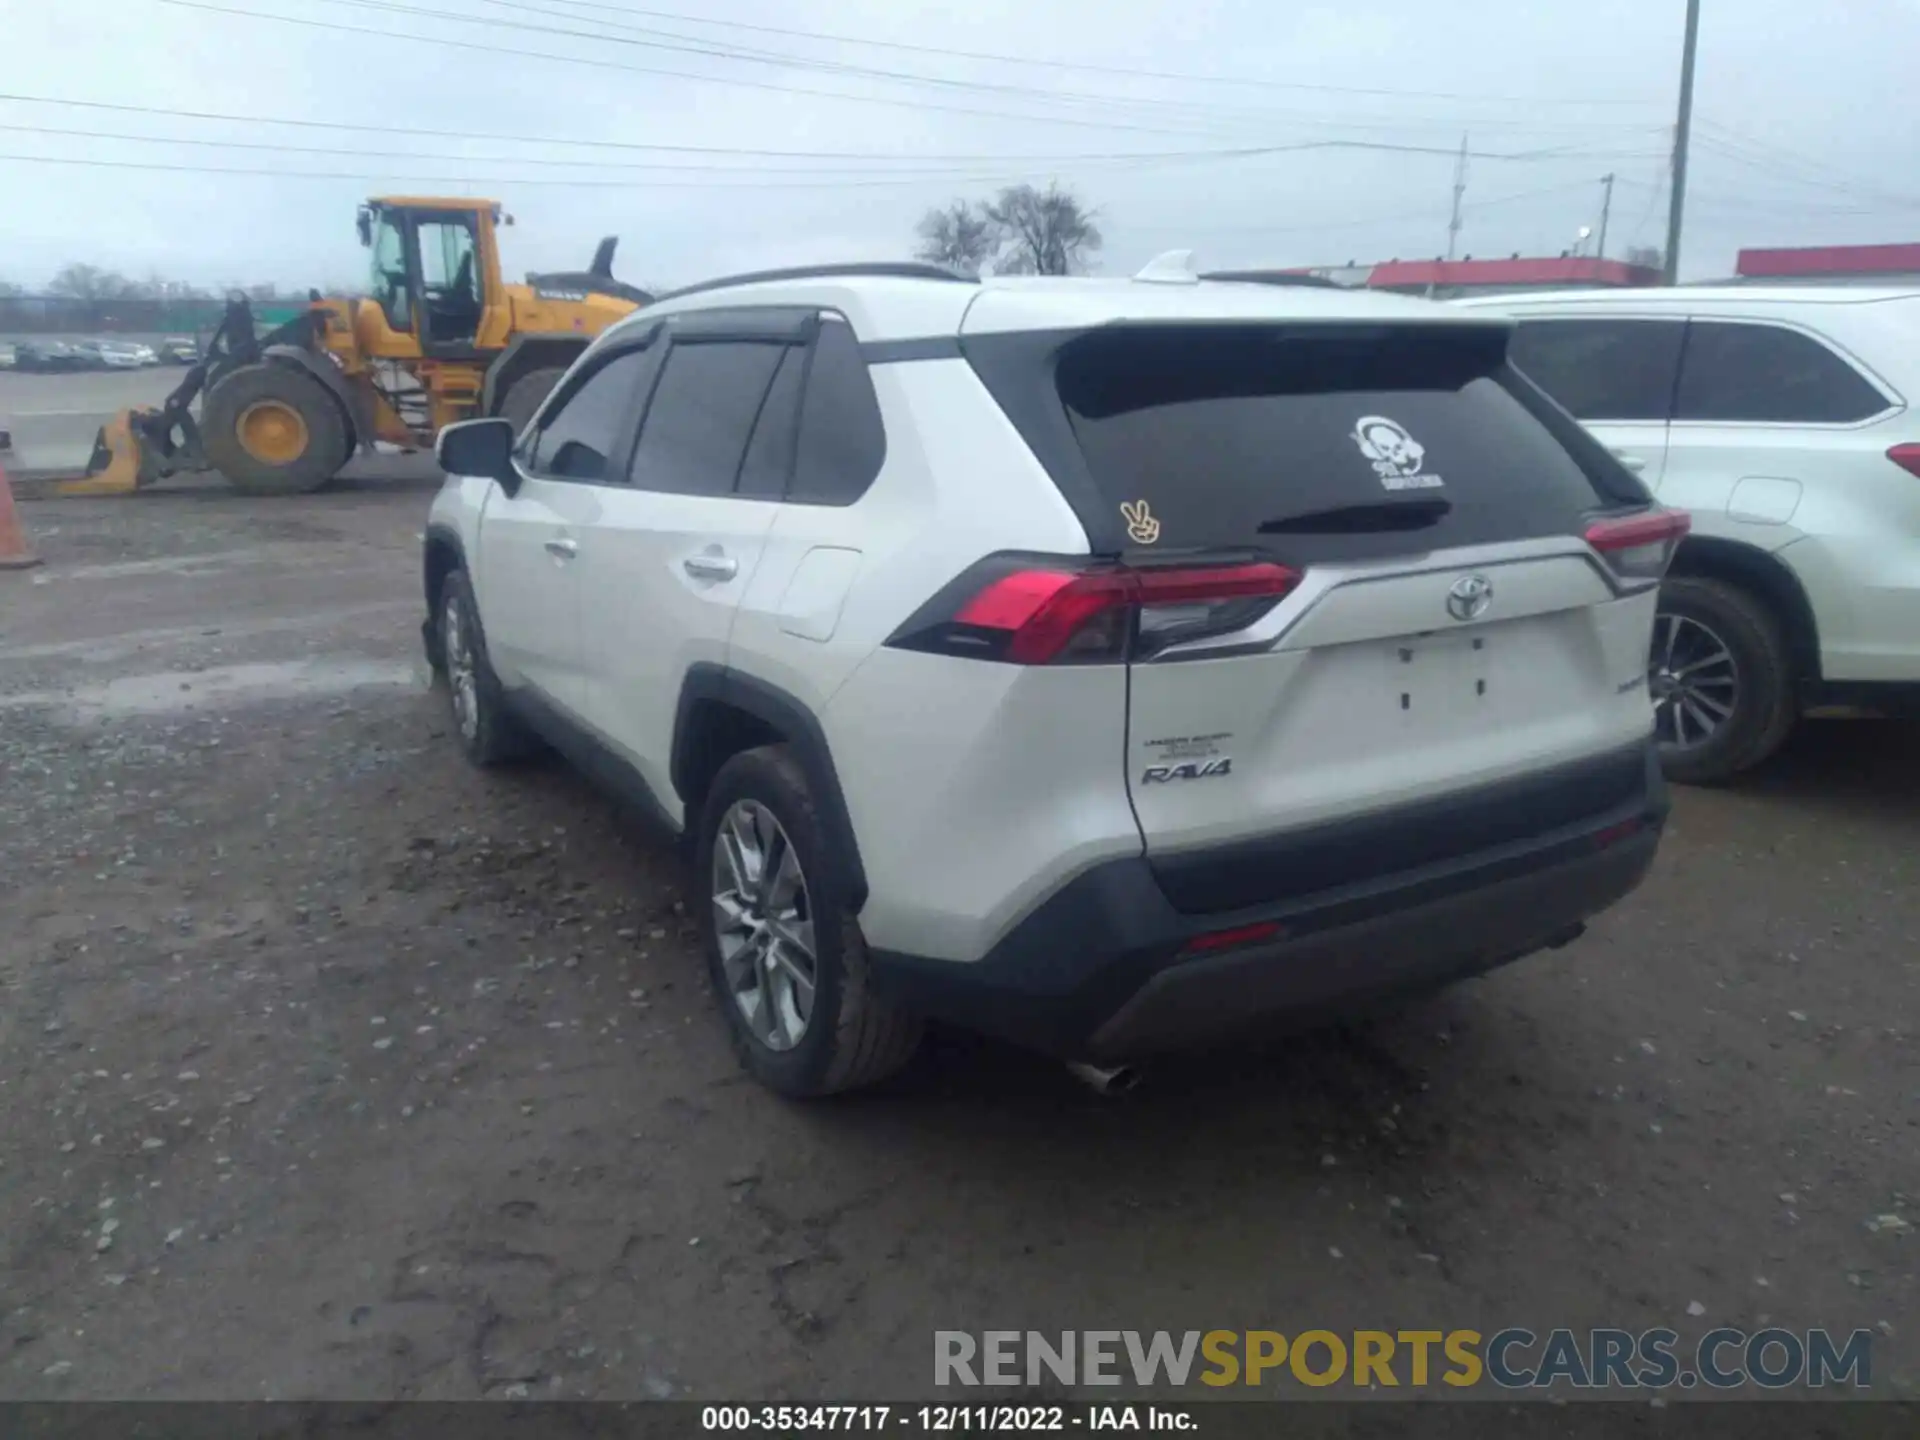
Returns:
(695,44)
(1429,212)
(1085,66)
(980,176)
(733,80)
(581,182)
(739,81)
(1757,155)
(630,145)
(911,168)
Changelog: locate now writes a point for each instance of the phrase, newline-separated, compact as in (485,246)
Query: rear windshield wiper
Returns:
(1368,518)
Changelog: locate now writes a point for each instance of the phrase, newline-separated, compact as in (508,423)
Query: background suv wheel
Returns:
(784,955)
(1720,680)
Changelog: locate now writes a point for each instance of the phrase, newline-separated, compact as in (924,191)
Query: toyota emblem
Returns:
(1469,597)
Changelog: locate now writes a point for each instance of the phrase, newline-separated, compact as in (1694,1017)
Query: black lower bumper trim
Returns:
(1097,970)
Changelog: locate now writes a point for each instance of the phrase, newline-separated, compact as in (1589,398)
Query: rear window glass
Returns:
(1318,444)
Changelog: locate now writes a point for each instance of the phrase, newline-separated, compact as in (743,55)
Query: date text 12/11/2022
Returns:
(944,1419)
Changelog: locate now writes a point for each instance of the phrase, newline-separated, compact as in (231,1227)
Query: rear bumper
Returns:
(1103,969)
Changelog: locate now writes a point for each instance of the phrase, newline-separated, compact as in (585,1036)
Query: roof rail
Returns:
(1275,277)
(887,269)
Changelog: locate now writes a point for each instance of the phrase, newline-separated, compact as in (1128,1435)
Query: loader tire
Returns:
(526,393)
(274,430)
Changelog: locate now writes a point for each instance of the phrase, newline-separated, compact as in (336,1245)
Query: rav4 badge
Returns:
(1191,770)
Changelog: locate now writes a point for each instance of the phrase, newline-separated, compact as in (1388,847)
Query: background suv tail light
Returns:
(1907,457)
(1640,547)
(1027,612)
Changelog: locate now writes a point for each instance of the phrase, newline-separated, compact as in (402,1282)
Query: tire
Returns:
(286,458)
(487,730)
(1755,682)
(849,1036)
(525,394)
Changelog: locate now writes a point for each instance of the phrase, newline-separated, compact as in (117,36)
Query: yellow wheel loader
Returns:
(440,338)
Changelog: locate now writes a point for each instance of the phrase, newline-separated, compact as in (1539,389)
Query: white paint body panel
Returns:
(1823,499)
(977,789)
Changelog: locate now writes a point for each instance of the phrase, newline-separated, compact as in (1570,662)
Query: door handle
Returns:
(711,567)
(563,549)
(1635,463)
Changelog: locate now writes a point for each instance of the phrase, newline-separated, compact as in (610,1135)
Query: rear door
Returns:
(1450,628)
(1617,376)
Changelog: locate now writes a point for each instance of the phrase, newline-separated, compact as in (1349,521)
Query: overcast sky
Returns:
(1807,127)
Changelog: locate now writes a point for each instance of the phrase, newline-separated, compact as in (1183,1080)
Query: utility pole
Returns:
(1454,221)
(1459,193)
(1682,134)
(1606,211)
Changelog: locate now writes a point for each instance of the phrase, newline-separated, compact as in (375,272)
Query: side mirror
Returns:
(481,448)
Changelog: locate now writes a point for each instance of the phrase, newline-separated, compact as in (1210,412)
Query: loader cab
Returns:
(435,274)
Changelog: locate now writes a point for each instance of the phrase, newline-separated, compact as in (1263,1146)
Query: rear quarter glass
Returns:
(1176,439)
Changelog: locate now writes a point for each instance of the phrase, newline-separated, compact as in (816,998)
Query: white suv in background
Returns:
(1105,664)
(1779,419)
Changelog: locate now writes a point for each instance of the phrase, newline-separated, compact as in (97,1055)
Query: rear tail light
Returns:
(1041,613)
(1907,457)
(1640,547)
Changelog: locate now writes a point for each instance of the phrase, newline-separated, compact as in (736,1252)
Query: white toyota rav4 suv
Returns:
(1779,419)
(1103,664)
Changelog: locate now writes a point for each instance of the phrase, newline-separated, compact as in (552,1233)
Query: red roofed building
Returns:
(1833,265)
(1444,279)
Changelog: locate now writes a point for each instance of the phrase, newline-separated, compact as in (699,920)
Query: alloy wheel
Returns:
(763,919)
(1693,680)
(461,678)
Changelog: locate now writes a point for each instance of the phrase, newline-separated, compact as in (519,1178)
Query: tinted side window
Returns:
(696,431)
(1602,369)
(576,439)
(769,463)
(1763,372)
(842,441)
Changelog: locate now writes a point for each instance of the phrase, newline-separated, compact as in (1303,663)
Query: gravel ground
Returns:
(332,1067)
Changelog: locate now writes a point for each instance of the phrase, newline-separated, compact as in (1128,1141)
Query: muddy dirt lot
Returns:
(332,1067)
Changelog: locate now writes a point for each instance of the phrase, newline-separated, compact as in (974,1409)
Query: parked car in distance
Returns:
(1114,665)
(116,354)
(9,358)
(46,355)
(1781,419)
(179,350)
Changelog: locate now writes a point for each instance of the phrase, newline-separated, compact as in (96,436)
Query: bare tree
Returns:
(90,282)
(1042,232)
(1648,255)
(959,236)
(9,290)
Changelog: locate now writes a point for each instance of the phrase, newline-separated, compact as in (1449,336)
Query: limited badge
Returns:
(1142,528)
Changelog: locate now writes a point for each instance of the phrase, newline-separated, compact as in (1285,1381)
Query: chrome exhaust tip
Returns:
(1105,1079)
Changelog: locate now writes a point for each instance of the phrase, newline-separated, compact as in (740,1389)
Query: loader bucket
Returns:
(124,459)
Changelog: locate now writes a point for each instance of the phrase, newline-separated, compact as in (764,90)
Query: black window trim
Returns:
(589,365)
(1895,402)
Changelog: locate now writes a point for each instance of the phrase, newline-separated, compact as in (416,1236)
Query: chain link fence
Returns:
(70,315)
